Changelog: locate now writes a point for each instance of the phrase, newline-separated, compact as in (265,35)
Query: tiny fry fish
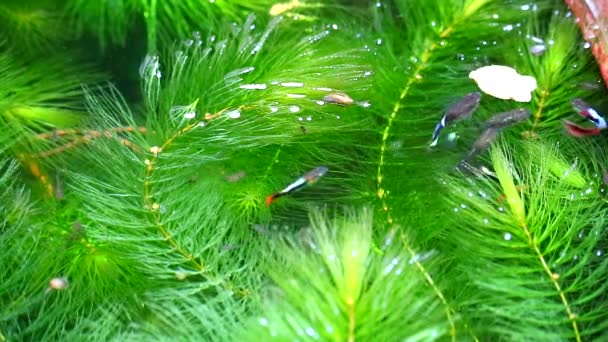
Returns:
(579,131)
(310,177)
(339,99)
(509,118)
(458,111)
(589,113)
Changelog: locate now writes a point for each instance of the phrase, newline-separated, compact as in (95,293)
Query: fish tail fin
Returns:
(440,125)
(269,200)
(579,131)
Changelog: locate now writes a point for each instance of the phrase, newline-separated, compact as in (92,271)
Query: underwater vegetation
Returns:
(301,170)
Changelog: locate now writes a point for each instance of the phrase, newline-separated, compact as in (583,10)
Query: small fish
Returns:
(59,194)
(484,141)
(310,177)
(604,175)
(465,166)
(589,113)
(509,118)
(339,99)
(458,111)
(579,131)
(235,177)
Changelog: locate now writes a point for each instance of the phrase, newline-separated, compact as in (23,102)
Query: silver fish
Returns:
(456,112)
(509,118)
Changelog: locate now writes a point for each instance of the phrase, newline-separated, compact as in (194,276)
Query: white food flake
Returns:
(504,83)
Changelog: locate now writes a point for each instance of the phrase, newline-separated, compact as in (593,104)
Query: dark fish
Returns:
(579,131)
(484,141)
(509,118)
(339,99)
(589,113)
(309,178)
(456,112)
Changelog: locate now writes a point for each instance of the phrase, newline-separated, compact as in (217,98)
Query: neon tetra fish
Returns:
(456,112)
(310,177)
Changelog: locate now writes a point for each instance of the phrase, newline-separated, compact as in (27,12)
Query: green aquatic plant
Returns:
(145,218)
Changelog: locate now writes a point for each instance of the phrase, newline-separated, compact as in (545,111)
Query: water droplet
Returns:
(354,253)
(379,41)
(463,206)
(507,27)
(309,118)
(501,209)
(253,86)
(319,102)
(433,23)
(486,221)
(300,118)
(188,42)
(201,124)
(581,235)
(189,115)
(365,104)
(587,45)
(331,257)
(263,321)
(234,114)
(274,109)
(294,108)
(508,236)
(334,26)
(495,16)
(599,252)
(455,210)
(525,7)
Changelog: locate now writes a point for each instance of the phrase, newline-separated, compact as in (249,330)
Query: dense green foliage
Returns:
(140,138)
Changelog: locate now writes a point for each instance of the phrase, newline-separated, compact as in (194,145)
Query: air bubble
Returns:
(234,114)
